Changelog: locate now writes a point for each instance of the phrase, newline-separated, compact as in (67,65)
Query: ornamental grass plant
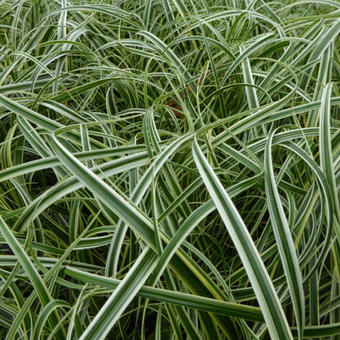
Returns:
(169,169)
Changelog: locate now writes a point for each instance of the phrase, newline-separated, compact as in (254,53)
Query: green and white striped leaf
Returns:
(266,295)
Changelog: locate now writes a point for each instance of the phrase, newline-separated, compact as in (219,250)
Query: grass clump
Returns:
(169,169)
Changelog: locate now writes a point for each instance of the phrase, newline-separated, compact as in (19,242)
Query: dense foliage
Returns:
(169,169)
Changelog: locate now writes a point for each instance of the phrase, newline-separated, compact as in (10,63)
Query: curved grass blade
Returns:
(284,240)
(109,314)
(179,298)
(267,297)
(36,280)
(326,154)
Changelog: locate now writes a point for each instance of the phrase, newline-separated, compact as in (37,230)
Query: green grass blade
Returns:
(267,297)
(113,308)
(284,240)
(188,300)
